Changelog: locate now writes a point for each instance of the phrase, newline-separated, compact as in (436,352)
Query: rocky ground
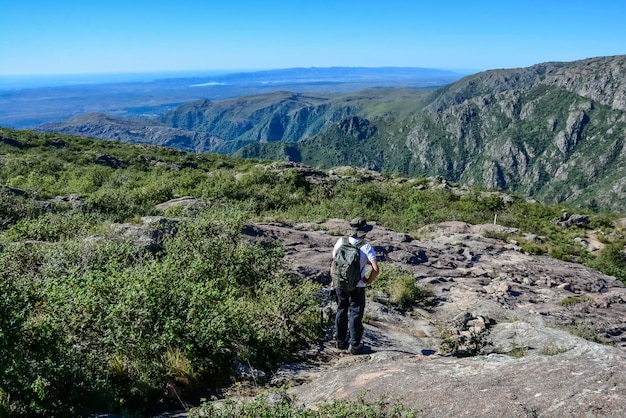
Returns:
(552,334)
(531,311)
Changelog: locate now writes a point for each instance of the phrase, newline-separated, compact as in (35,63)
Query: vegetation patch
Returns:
(90,323)
(465,343)
(286,407)
(517,351)
(553,349)
(582,330)
(574,300)
(399,288)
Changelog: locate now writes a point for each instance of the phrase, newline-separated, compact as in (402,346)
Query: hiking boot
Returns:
(341,345)
(356,349)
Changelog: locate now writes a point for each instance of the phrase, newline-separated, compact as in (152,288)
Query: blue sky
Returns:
(94,36)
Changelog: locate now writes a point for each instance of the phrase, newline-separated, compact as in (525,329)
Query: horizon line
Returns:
(225,71)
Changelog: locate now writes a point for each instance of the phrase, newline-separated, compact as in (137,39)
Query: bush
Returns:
(110,325)
(288,408)
(574,300)
(468,343)
(611,260)
(400,288)
(14,208)
(54,227)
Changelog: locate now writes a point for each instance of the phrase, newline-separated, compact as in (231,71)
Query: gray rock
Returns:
(536,363)
(188,204)
(73,201)
(148,234)
(580,382)
(405,257)
(110,161)
(246,372)
(572,219)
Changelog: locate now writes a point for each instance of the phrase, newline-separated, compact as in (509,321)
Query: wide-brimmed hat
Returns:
(360,225)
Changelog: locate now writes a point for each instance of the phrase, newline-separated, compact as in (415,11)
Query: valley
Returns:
(553,131)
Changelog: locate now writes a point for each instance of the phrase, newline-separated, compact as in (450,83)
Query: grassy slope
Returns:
(96,323)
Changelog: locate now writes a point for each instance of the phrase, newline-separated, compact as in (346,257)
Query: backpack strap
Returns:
(359,244)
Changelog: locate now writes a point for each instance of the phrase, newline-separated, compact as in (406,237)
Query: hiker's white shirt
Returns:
(367,254)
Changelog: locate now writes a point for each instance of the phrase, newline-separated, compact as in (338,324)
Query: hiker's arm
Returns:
(331,268)
(373,273)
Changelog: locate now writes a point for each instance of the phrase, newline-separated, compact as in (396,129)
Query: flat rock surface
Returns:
(519,297)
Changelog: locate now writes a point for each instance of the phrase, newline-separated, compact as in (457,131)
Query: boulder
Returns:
(187,204)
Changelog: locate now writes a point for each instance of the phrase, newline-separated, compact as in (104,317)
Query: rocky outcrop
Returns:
(600,79)
(552,131)
(148,233)
(110,161)
(356,127)
(186,204)
(554,332)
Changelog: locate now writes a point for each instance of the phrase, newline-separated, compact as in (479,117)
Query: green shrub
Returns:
(574,300)
(533,248)
(119,323)
(470,343)
(552,349)
(582,330)
(54,227)
(400,288)
(499,235)
(517,351)
(57,382)
(15,208)
(288,408)
(611,260)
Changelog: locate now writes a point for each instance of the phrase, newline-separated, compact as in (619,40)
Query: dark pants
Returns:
(350,309)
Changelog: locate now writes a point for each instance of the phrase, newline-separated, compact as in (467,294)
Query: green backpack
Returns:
(347,265)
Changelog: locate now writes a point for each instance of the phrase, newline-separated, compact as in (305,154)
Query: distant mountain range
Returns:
(26,102)
(555,131)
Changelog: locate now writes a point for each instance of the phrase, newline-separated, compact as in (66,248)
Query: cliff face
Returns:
(554,131)
(279,116)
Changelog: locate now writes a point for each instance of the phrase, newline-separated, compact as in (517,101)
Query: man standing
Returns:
(351,304)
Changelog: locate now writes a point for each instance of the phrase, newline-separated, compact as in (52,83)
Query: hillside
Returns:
(553,131)
(135,279)
(138,278)
(233,123)
(137,131)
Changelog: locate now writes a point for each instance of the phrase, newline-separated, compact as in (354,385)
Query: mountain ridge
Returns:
(509,130)
(554,131)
